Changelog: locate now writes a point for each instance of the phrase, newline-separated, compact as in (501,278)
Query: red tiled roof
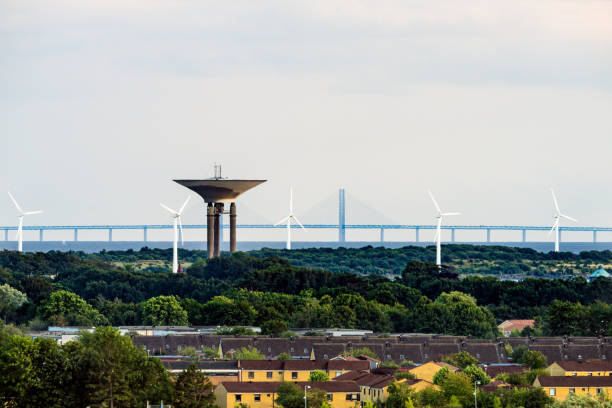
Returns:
(519,325)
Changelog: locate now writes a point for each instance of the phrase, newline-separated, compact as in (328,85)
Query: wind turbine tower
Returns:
(558,215)
(438,238)
(22,214)
(289,218)
(176,215)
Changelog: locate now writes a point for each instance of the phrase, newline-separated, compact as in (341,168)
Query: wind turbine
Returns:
(438,238)
(22,214)
(558,217)
(288,219)
(177,223)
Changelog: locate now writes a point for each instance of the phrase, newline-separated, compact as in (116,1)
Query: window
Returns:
(292,349)
(388,356)
(477,355)
(425,355)
(257,397)
(269,374)
(330,397)
(251,374)
(305,351)
(179,348)
(238,398)
(590,374)
(572,390)
(401,357)
(269,349)
(325,357)
(599,390)
(552,392)
(294,375)
(338,373)
(574,374)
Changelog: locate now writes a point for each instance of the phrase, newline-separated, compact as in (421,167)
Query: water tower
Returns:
(216,192)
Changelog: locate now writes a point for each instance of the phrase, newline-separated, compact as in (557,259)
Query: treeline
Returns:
(270,292)
(467,259)
(101,369)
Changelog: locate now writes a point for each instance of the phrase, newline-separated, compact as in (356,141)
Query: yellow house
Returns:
(375,387)
(595,368)
(340,394)
(295,370)
(559,387)
(428,370)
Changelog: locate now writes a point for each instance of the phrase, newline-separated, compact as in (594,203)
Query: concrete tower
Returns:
(216,192)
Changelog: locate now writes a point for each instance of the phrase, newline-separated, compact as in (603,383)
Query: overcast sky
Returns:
(488,103)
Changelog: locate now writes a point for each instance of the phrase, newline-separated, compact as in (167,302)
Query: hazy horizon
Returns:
(489,104)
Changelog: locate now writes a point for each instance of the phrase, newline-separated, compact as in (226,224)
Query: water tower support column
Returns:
(210,238)
(218,212)
(233,227)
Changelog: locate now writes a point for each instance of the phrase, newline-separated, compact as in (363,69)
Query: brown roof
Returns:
(494,385)
(304,365)
(580,351)
(551,352)
(519,325)
(575,381)
(270,387)
(590,365)
(326,351)
(494,371)
(350,376)
(439,350)
(486,353)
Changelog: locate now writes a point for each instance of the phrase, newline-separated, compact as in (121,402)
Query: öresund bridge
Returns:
(341,226)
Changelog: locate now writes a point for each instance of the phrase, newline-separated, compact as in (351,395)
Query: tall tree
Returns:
(10,300)
(193,389)
(164,311)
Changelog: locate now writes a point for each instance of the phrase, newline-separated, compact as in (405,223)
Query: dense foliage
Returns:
(270,292)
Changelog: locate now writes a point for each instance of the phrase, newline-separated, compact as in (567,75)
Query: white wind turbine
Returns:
(177,223)
(558,216)
(22,214)
(288,219)
(438,237)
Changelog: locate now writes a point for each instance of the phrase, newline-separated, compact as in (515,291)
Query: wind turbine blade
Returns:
(169,209)
(450,213)
(283,220)
(32,212)
(434,201)
(15,202)
(567,217)
(298,221)
(555,225)
(555,200)
(183,207)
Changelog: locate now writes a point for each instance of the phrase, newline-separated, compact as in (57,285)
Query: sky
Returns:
(486,103)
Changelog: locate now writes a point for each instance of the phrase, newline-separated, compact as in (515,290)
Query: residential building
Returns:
(428,370)
(559,387)
(507,326)
(295,370)
(340,394)
(596,368)
(216,371)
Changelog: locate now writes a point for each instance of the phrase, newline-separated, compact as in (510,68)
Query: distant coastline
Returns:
(97,246)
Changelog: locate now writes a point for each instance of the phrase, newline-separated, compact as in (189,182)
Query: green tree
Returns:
(10,300)
(362,351)
(517,353)
(441,375)
(458,385)
(64,307)
(289,395)
(476,374)
(318,375)
(248,353)
(274,327)
(16,368)
(118,373)
(574,400)
(400,395)
(461,360)
(210,353)
(533,359)
(193,389)
(283,356)
(164,311)
(404,375)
